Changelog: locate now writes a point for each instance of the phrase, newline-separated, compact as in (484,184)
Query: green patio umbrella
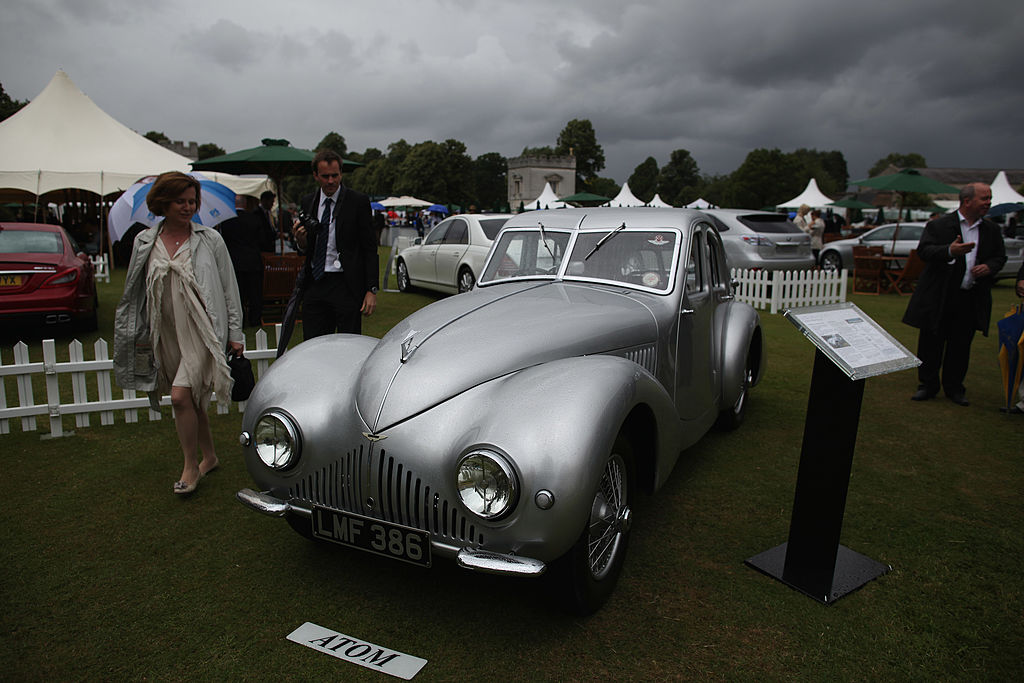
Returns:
(586,198)
(905,181)
(852,204)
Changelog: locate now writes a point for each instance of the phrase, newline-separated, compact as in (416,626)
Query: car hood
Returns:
(462,341)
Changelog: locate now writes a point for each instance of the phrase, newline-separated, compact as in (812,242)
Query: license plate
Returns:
(10,281)
(372,535)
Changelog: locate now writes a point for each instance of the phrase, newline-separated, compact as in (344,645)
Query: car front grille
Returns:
(385,489)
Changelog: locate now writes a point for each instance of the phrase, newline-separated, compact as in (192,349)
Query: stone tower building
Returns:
(527,175)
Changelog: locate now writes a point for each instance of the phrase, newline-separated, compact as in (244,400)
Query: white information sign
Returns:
(856,343)
(357,651)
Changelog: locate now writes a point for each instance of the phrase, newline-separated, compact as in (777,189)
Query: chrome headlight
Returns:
(276,440)
(487,484)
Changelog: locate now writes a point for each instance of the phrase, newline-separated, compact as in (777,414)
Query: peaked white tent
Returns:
(625,198)
(62,140)
(547,200)
(1003,192)
(699,203)
(659,202)
(811,196)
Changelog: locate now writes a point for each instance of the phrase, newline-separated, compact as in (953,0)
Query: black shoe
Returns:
(922,394)
(1014,410)
(959,399)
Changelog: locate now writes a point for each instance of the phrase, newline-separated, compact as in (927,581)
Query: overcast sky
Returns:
(867,78)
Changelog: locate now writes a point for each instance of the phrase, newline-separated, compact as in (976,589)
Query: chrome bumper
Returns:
(469,558)
(267,504)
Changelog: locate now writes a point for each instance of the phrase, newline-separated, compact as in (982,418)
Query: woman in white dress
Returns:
(178,319)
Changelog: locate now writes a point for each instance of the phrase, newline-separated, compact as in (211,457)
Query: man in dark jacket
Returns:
(963,252)
(247,237)
(341,273)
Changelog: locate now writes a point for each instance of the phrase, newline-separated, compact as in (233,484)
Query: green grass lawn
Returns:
(107,575)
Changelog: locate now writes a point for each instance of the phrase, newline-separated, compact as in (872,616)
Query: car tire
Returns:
(587,582)
(831,261)
(466,280)
(732,417)
(402,274)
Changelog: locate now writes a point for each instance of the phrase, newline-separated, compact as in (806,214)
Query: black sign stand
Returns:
(812,561)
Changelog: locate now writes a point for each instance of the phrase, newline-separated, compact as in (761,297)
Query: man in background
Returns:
(962,251)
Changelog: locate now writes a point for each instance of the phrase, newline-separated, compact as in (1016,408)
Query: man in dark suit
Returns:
(341,272)
(962,251)
(247,238)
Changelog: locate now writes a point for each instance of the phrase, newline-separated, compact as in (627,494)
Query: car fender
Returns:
(741,335)
(315,383)
(556,423)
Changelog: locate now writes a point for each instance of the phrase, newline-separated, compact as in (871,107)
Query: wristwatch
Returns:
(373,290)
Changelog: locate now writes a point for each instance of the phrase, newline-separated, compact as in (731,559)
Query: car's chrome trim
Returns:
(498,563)
(263,502)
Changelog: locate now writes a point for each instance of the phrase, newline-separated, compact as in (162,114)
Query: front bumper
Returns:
(469,558)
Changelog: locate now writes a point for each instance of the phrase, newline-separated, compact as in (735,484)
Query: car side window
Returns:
(716,271)
(458,233)
(695,265)
(880,234)
(436,235)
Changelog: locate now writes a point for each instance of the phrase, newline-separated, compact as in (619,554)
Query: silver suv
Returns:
(761,239)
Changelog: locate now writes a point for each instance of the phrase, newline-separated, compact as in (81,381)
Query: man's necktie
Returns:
(320,256)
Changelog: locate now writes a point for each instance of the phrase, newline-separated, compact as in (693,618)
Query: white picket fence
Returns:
(101,266)
(82,405)
(778,290)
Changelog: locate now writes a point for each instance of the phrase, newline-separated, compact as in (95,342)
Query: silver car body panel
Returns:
(546,370)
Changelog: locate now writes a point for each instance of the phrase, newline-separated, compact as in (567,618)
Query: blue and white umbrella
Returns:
(216,204)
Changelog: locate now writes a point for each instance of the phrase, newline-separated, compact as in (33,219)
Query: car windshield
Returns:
(643,258)
(30,242)
(523,254)
(492,226)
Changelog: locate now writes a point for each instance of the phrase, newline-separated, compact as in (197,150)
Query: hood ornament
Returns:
(375,437)
(407,347)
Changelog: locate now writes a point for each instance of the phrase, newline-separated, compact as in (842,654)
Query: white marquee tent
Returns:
(659,202)
(547,200)
(699,203)
(1003,192)
(62,140)
(625,198)
(811,196)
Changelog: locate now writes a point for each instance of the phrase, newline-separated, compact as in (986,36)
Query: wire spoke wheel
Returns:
(605,528)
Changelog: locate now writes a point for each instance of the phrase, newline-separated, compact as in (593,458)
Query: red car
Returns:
(45,275)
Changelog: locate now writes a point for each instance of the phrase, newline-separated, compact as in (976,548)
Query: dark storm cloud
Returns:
(720,79)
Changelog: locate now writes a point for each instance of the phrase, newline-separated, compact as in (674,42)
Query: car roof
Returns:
(604,217)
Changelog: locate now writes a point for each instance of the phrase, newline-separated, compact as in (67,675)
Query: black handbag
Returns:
(241,373)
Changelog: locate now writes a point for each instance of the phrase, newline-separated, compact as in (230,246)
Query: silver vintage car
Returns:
(509,428)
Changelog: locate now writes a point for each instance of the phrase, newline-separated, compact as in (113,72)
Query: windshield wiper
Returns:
(544,241)
(600,242)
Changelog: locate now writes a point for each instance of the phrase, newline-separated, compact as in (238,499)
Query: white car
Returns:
(451,257)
